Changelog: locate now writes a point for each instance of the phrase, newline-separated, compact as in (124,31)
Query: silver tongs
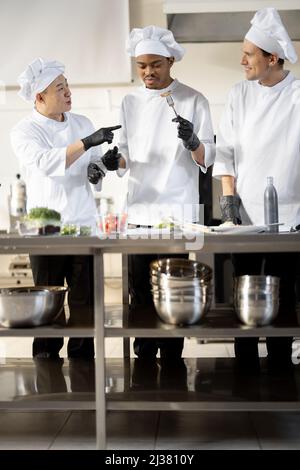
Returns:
(170,100)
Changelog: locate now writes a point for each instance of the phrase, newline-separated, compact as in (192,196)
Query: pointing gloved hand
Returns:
(109,161)
(186,133)
(230,209)
(102,135)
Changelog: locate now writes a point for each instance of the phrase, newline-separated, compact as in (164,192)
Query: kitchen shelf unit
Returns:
(220,322)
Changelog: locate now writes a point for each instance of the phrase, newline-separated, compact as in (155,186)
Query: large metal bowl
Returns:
(182,310)
(165,282)
(196,292)
(180,268)
(22,307)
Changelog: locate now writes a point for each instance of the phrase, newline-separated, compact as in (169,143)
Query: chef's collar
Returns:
(150,92)
(44,119)
(278,87)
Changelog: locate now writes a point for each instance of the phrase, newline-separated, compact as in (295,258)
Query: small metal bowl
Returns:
(256,299)
(22,307)
(258,311)
(255,281)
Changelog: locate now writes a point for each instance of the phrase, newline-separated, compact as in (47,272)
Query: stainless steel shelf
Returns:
(45,384)
(121,322)
(204,384)
(49,332)
(59,402)
(220,323)
(186,405)
(197,384)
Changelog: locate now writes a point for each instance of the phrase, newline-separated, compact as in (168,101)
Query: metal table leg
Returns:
(209,259)
(100,350)
(125,298)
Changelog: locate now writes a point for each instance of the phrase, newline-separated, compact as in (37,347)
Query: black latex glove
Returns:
(94,173)
(230,209)
(111,159)
(102,135)
(295,228)
(186,133)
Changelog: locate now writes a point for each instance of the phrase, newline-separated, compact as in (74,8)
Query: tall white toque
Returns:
(38,76)
(268,33)
(154,40)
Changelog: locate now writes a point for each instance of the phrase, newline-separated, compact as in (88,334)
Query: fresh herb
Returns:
(85,231)
(169,225)
(68,230)
(43,213)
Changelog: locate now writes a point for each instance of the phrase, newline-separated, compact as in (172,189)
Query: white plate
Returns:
(237,229)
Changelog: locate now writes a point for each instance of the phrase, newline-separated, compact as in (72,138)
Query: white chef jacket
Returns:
(163,178)
(40,144)
(259,136)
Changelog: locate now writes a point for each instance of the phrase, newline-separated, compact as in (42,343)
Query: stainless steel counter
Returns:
(212,243)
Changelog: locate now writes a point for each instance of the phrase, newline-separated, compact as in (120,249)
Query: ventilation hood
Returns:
(222,20)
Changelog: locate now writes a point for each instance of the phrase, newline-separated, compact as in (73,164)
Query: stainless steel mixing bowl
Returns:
(22,307)
(181,290)
(184,291)
(182,310)
(180,268)
(256,299)
(254,281)
(163,281)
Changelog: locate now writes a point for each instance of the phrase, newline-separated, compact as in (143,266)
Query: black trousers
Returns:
(77,271)
(140,293)
(283,265)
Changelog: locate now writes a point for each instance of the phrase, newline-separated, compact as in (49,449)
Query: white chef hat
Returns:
(153,40)
(268,33)
(38,76)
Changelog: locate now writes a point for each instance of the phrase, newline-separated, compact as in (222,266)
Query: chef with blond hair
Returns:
(259,136)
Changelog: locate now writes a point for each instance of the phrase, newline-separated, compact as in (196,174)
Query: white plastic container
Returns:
(18,197)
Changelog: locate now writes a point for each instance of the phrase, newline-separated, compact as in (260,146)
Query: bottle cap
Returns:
(270,179)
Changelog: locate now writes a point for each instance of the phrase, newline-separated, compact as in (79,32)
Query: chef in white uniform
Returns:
(162,156)
(54,147)
(163,169)
(259,136)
